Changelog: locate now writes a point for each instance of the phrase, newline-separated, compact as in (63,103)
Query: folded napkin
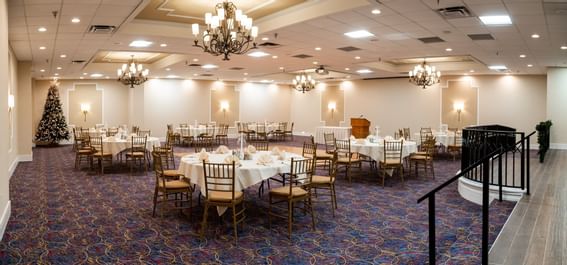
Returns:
(232,158)
(265,159)
(352,138)
(276,151)
(203,155)
(251,149)
(388,138)
(223,150)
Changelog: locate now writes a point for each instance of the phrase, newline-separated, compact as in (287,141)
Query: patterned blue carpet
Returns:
(65,216)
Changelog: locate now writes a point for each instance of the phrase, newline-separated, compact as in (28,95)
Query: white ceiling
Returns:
(317,23)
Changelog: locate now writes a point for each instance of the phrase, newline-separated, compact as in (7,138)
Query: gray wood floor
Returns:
(536,232)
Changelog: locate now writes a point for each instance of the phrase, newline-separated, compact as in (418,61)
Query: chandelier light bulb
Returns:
(424,75)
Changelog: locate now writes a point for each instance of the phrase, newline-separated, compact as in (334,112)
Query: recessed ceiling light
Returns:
(267,81)
(96,75)
(496,20)
(42,29)
(471,71)
(168,69)
(530,65)
(315,62)
(163,45)
(195,60)
(275,57)
(317,48)
(535,36)
(172,76)
(63,55)
(376,11)
(209,66)
(140,43)
(265,38)
(42,70)
(244,78)
(81,77)
(75,20)
(42,47)
(59,68)
(448,50)
(107,77)
(357,57)
(522,56)
(497,67)
(364,71)
(56,74)
(359,34)
(258,54)
(85,73)
(564,47)
(195,74)
(245,73)
(347,69)
(348,76)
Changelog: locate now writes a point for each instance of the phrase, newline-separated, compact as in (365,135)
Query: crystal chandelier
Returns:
(132,73)
(228,31)
(424,75)
(303,83)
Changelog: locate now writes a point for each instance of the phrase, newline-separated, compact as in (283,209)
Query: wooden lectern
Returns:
(360,127)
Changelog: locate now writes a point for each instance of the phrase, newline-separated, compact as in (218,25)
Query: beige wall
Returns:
(557,106)
(259,102)
(463,93)
(25,137)
(332,94)
(115,102)
(305,110)
(12,135)
(85,94)
(4,78)
(228,94)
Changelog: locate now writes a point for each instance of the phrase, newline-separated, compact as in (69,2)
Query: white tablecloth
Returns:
(441,138)
(376,150)
(341,133)
(116,146)
(194,131)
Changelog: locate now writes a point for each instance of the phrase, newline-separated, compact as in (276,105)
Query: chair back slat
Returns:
(260,145)
(393,151)
(309,150)
(219,177)
(301,173)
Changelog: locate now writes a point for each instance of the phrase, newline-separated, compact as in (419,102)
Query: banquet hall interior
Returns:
(283,132)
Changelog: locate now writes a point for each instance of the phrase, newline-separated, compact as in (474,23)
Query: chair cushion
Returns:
(420,157)
(345,160)
(98,153)
(321,180)
(171,173)
(284,191)
(84,151)
(321,155)
(224,196)
(391,161)
(136,154)
(175,184)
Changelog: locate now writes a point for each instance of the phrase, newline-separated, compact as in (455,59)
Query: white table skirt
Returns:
(441,138)
(341,133)
(194,131)
(118,145)
(376,150)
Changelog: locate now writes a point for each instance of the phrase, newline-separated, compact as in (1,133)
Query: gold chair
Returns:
(111,131)
(220,192)
(135,129)
(222,134)
(98,152)
(204,143)
(321,159)
(83,150)
(261,134)
(279,133)
(186,137)
(425,159)
(406,134)
(166,187)
(329,143)
(392,159)
(455,147)
(147,133)
(327,183)
(260,145)
(289,132)
(137,151)
(346,158)
(298,190)
(175,136)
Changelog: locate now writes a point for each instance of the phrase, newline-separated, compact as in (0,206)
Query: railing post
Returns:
(522,161)
(432,250)
(500,177)
(485,199)
(528,166)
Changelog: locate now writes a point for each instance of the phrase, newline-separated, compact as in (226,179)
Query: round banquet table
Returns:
(375,150)
(115,145)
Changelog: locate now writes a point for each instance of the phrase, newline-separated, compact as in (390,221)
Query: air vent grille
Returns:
(206,74)
(302,56)
(194,65)
(431,40)
(78,61)
(455,12)
(101,29)
(349,49)
(481,37)
(269,44)
(236,68)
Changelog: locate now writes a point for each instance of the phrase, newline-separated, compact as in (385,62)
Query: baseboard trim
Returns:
(558,146)
(20,158)
(4,218)
(25,158)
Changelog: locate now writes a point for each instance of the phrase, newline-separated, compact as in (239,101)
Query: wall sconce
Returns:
(459,106)
(332,107)
(85,108)
(11,102)
(224,107)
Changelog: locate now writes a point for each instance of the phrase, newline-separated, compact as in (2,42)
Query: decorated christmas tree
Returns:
(52,127)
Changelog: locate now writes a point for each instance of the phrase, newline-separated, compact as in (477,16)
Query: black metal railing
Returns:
(515,161)
(483,165)
(543,138)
